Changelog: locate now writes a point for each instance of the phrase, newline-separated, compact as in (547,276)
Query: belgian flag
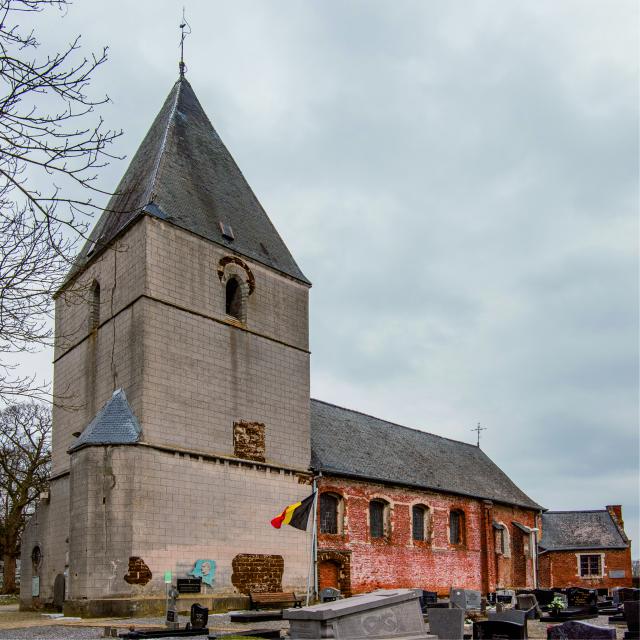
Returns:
(296,515)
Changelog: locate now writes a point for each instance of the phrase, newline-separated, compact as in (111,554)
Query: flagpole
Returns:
(312,558)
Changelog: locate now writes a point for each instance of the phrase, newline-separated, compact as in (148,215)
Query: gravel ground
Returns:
(217,623)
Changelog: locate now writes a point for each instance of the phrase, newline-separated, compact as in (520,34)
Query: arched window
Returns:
(94,306)
(330,513)
(456,527)
(234,298)
(420,522)
(36,558)
(379,524)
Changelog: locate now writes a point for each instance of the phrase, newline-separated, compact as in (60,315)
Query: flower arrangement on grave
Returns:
(557,604)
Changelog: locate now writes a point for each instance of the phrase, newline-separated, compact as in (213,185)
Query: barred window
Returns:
(329,506)
(590,565)
(456,527)
(419,518)
(378,515)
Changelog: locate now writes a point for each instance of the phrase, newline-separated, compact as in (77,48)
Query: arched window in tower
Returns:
(234,298)
(94,306)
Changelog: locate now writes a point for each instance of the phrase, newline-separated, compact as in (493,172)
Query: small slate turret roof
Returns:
(183,173)
(573,530)
(353,444)
(113,424)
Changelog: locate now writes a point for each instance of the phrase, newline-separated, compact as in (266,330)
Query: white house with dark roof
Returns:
(182,349)
(585,548)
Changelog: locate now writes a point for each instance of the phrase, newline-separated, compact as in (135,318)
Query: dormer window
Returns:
(234,298)
(227,231)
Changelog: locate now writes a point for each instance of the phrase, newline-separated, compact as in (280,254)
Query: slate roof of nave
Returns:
(184,174)
(353,444)
(569,530)
(115,423)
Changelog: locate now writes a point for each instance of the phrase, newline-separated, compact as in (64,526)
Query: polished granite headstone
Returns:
(576,630)
(465,599)
(447,624)
(382,615)
(632,618)
(510,615)
(490,629)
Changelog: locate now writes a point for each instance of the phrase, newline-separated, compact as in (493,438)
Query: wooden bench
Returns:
(274,598)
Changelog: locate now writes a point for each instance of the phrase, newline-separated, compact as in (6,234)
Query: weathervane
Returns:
(478,429)
(185,30)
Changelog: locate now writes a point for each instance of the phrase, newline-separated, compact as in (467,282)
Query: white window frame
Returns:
(591,576)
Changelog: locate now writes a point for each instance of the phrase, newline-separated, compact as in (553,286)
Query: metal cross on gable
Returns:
(478,429)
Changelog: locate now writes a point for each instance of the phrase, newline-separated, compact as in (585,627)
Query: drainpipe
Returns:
(535,557)
(485,542)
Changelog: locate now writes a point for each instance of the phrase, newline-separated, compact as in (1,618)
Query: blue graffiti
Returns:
(205,569)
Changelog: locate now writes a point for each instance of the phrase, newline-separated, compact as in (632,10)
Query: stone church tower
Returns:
(182,369)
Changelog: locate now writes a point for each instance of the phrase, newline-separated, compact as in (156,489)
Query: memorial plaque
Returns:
(617,573)
(465,599)
(189,585)
(35,586)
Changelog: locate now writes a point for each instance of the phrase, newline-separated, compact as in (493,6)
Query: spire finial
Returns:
(478,429)
(185,30)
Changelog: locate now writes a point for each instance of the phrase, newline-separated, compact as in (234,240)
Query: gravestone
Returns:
(329,594)
(58,592)
(543,596)
(189,585)
(427,599)
(510,615)
(632,618)
(505,596)
(528,603)
(576,630)
(583,599)
(388,614)
(199,616)
(446,623)
(498,629)
(465,599)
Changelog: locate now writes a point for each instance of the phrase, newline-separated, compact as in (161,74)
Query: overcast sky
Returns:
(459,180)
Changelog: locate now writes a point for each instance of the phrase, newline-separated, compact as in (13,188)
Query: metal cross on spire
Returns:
(185,30)
(478,429)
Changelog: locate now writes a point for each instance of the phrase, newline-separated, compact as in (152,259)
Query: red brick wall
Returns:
(560,569)
(399,561)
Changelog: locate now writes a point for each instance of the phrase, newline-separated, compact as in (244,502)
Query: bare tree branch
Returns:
(52,148)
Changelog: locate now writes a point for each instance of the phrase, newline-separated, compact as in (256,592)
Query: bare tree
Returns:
(25,441)
(52,147)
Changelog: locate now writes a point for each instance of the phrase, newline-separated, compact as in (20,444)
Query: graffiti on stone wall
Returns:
(257,572)
(205,569)
(138,571)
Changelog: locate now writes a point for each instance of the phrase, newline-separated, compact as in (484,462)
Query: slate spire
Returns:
(184,174)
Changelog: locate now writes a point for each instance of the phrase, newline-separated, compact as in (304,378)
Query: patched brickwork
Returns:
(248,440)
(256,572)
(334,570)
(139,572)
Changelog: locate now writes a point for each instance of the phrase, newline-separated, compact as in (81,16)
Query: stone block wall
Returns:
(434,564)
(188,508)
(48,529)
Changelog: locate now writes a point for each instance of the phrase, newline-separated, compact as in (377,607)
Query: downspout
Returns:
(484,550)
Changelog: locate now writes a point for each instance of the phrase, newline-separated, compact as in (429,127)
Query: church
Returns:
(185,422)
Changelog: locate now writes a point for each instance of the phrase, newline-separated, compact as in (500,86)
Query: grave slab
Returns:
(490,629)
(632,618)
(382,615)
